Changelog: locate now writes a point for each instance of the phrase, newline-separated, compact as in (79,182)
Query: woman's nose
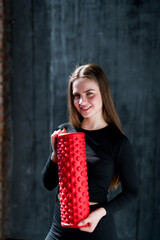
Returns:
(82,100)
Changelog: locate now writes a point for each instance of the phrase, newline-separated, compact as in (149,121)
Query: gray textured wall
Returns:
(48,38)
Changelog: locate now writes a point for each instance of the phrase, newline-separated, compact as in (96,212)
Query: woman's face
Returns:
(87,98)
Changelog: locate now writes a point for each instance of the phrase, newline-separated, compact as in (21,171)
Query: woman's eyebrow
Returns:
(84,91)
(74,93)
(89,90)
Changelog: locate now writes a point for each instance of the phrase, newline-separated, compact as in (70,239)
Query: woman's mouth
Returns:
(85,109)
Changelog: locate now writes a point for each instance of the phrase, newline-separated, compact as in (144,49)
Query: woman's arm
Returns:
(50,171)
(126,167)
(50,175)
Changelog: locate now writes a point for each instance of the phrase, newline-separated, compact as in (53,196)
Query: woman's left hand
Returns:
(92,220)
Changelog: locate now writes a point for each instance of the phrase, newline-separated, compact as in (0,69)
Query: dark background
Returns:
(48,39)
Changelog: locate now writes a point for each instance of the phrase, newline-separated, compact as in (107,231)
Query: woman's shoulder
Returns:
(119,138)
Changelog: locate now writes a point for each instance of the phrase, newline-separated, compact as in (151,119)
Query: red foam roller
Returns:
(73,179)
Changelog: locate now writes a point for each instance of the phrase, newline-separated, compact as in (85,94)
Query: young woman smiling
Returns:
(110,156)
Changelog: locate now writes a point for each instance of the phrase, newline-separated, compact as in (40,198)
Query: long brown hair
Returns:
(93,71)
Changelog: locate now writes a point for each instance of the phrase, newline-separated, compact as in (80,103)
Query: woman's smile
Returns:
(85,108)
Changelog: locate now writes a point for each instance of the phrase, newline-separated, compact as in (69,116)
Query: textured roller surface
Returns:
(73,180)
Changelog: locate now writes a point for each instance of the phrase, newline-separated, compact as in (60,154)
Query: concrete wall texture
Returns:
(4,116)
(48,39)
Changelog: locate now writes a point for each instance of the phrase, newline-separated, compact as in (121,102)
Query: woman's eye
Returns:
(76,96)
(89,94)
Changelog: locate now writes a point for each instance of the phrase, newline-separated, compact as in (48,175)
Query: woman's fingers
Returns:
(63,131)
(84,221)
(92,220)
(54,136)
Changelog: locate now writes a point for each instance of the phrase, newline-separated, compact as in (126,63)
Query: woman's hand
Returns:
(92,220)
(53,143)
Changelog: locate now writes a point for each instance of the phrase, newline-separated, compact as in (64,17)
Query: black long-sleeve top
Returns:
(107,149)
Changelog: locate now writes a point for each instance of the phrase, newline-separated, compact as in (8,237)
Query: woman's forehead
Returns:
(84,84)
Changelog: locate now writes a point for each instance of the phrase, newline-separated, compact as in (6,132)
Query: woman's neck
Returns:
(88,124)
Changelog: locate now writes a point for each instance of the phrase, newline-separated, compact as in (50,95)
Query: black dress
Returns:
(107,149)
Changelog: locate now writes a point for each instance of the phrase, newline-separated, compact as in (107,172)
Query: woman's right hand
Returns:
(53,143)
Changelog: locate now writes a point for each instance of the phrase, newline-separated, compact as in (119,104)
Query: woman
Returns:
(110,157)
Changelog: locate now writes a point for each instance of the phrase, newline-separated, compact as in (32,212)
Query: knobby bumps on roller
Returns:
(73,179)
